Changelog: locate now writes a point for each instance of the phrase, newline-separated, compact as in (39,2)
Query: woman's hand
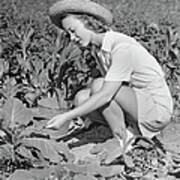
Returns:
(58,122)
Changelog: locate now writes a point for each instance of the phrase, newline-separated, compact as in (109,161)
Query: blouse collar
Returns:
(107,43)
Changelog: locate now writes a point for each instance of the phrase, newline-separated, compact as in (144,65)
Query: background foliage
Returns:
(38,61)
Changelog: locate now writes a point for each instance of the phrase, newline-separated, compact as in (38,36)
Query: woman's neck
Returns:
(97,39)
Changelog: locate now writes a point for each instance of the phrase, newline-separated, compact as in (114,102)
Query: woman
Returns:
(133,89)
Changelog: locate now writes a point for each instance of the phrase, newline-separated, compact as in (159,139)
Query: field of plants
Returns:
(41,71)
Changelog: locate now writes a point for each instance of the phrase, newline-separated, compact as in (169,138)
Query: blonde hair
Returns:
(91,23)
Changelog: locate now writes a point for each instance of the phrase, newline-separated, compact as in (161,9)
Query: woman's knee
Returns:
(127,99)
(96,85)
(81,96)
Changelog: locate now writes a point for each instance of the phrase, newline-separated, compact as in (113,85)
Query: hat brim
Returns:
(61,8)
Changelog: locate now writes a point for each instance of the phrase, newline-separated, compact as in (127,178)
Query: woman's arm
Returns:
(97,100)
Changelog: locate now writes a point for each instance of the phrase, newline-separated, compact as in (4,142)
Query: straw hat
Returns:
(58,10)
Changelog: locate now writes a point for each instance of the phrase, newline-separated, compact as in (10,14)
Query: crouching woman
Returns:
(133,90)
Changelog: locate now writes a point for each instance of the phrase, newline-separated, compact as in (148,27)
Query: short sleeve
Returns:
(121,65)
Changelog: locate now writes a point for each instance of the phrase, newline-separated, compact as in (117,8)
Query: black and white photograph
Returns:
(89,89)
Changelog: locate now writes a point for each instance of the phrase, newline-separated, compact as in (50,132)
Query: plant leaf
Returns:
(15,113)
(52,172)
(49,149)
(50,102)
(95,169)
(41,174)
(108,151)
(6,151)
(44,113)
(109,171)
(113,155)
(169,140)
(26,153)
(22,175)
(83,177)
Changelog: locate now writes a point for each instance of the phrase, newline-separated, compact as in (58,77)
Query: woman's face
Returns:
(77,31)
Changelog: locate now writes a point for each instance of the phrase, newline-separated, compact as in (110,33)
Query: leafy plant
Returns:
(39,61)
(24,144)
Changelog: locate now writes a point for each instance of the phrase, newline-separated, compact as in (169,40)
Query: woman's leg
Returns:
(124,101)
(126,98)
(95,116)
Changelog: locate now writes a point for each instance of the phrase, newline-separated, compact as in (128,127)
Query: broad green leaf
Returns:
(61,171)
(95,169)
(15,113)
(96,149)
(46,147)
(48,173)
(168,177)
(24,152)
(108,151)
(50,102)
(49,149)
(6,151)
(83,177)
(22,175)
(62,148)
(109,171)
(44,113)
(169,140)
(28,153)
(33,131)
(83,154)
(41,174)
(113,155)
(38,130)
(82,169)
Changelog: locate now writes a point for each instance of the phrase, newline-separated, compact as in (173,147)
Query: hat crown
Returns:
(60,8)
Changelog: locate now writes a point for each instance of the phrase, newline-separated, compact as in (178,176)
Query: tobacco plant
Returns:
(24,143)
